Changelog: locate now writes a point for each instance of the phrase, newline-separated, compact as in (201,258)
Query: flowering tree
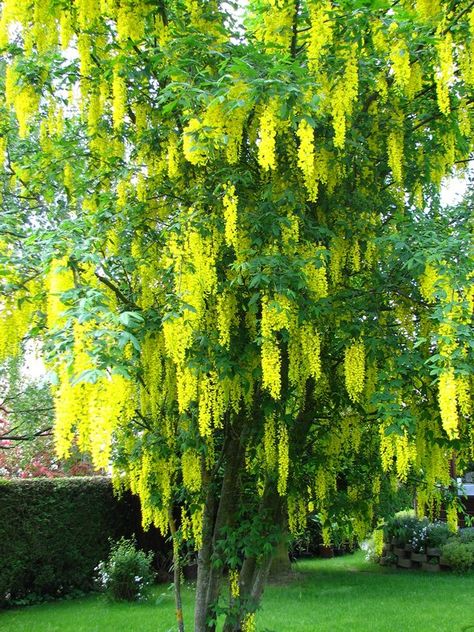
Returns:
(223,218)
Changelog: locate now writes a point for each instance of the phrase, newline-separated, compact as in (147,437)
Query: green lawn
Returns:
(345,594)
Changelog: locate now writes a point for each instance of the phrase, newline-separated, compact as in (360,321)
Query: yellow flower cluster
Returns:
(88,12)
(22,98)
(173,156)
(249,624)
(234,583)
(197,524)
(191,468)
(271,367)
(427,9)
(320,485)
(379,38)
(297,514)
(343,96)
(211,404)
(230,202)
(267,136)
(66,405)
(276,315)
(66,28)
(193,148)
(354,369)
(283,458)
(447,402)
(428,282)
(306,158)
(269,442)
(395,153)
(320,34)
(131,19)
(338,255)
(316,277)
(463,392)
(444,75)
(378,541)
(416,80)
(452,517)
(119,98)
(311,350)
(12,11)
(58,281)
(152,350)
(406,455)
(84,45)
(277,25)
(15,320)
(400,61)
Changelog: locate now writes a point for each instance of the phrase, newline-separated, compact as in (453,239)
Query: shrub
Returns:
(405,528)
(418,533)
(127,572)
(459,555)
(466,535)
(437,534)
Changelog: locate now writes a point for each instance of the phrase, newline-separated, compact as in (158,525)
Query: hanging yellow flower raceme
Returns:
(428,282)
(283,458)
(447,402)
(400,60)
(58,281)
(191,468)
(354,370)
(395,150)
(230,202)
(193,148)
(320,34)
(269,442)
(444,74)
(119,98)
(306,158)
(267,136)
(343,96)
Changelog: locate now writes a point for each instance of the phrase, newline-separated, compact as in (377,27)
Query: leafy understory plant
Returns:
(125,575)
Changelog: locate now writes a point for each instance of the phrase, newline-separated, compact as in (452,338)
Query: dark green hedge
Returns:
(53,532)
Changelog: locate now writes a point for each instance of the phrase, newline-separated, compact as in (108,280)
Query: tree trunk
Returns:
(210,576)
(204,559)
(176,573)
(280,567)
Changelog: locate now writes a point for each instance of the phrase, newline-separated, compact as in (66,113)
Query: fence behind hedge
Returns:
(53,532)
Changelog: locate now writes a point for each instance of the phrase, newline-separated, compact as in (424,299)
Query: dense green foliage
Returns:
(55,531)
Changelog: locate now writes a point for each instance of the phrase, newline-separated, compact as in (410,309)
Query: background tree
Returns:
(228,232)
(26,426)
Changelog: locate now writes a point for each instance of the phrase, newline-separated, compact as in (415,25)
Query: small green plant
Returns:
(127,572)
(459,555)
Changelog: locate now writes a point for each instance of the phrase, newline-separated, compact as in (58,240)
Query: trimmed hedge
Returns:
(53,532)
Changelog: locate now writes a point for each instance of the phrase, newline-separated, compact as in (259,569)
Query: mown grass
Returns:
(344,594)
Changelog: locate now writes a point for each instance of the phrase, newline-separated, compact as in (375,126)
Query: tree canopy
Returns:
(223,220)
